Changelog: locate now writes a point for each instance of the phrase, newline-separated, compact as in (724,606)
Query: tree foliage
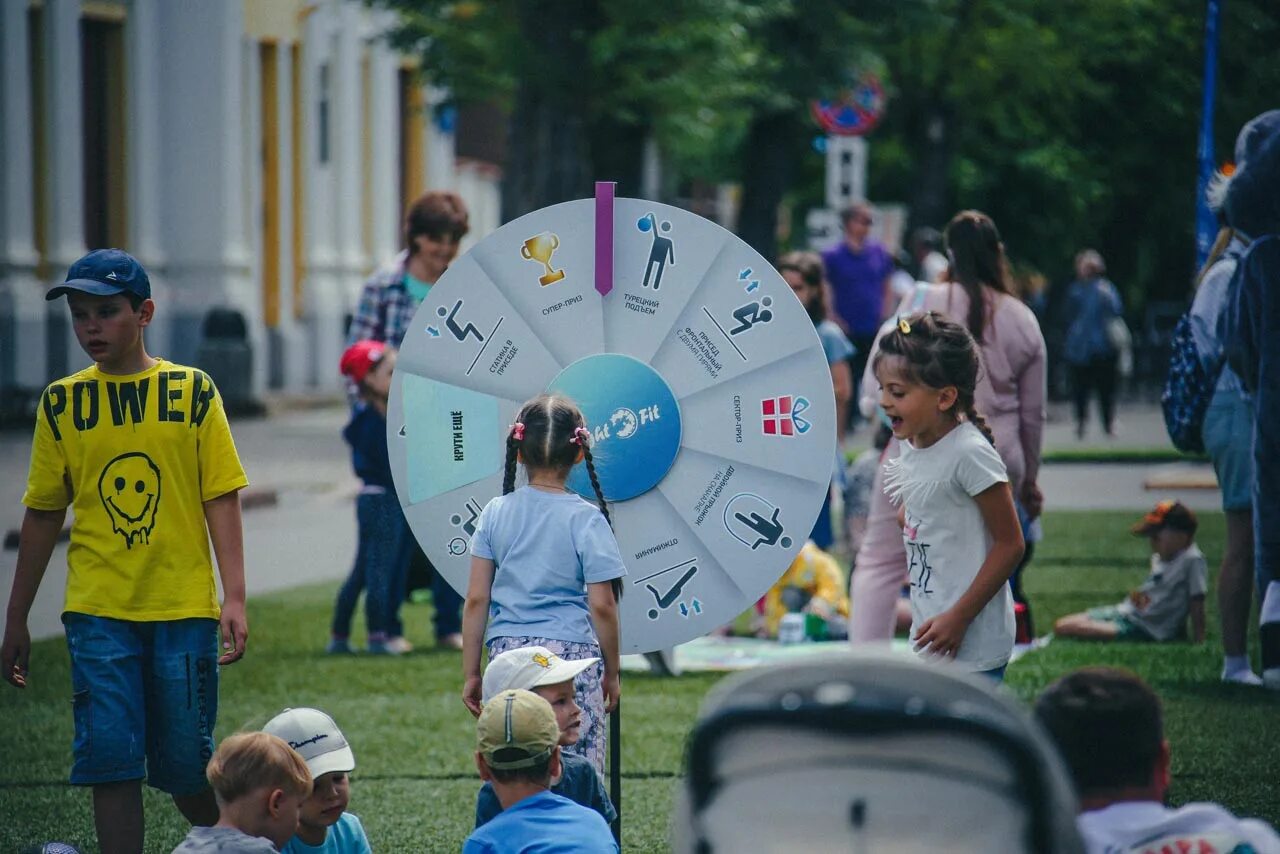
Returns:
(587,81)
(1072,122)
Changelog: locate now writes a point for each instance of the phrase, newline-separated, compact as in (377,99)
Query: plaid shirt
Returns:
(386,307)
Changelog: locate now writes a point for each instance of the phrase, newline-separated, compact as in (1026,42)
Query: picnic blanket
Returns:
(714,654)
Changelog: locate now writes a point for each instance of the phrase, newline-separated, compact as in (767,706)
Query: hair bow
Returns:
(517,431)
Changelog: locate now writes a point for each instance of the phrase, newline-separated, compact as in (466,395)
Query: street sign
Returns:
(855,112)
(846,171)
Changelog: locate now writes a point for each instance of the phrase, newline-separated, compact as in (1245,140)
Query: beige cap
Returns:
(517,729)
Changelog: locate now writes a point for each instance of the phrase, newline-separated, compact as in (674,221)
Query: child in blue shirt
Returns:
(324,825)
(518,752)
(538,669)
(382,550)
(545,567)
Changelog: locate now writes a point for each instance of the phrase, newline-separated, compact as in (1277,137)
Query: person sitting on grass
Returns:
(260,784)
(1156,611)
(538,669)
(325,826)
(813,584)
(518,752)
(1108,727)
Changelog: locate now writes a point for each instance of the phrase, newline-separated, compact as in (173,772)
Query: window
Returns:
(103,114)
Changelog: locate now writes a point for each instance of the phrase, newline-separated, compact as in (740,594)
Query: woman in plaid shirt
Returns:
(433,226)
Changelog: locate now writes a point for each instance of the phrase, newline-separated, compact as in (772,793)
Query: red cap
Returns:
(360,358)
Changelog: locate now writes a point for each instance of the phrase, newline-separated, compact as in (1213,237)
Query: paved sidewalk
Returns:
(1137,426)
(1117,486)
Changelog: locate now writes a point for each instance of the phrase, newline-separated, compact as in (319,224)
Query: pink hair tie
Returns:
(580,436)
(517,431)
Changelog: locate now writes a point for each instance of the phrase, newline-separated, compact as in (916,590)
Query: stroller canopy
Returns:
(870,752)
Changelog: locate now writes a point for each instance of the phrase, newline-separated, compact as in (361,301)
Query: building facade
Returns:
(255,155)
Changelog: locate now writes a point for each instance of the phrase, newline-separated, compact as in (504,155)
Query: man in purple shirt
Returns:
(858,269)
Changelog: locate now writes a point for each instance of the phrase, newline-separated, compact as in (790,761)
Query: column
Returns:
(22,304)
(202,192)
(145,158)
(345,130)
(64,174)
(386,183)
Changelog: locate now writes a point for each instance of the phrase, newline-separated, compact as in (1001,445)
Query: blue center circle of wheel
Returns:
(634,421)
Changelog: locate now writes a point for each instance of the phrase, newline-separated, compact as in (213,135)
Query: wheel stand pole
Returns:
(615,770)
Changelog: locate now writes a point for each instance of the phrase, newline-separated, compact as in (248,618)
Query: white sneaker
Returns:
(398,645)
(391,646)
(1242,677)
(1271,679)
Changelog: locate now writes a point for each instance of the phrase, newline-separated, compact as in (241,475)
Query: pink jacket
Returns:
(1011,387)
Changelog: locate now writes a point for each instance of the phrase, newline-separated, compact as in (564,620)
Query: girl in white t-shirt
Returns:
(958,520)
(545,567)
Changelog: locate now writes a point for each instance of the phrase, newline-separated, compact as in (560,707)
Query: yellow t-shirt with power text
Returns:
(135,457)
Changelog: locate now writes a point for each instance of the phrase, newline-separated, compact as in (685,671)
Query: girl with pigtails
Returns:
(959,524)
(1010,393)
(545,567)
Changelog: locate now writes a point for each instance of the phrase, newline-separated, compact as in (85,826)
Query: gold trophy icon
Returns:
(539,248)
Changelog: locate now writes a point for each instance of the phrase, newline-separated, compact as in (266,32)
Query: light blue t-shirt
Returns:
(578,782)
(345,837)
(1208,320)
(542,824)
(835,344)
(546,548)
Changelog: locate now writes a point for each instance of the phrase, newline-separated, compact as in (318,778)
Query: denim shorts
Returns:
(145,700)
(1228,437)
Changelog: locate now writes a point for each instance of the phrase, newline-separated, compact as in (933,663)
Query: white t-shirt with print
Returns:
(946,539)
(1136,827)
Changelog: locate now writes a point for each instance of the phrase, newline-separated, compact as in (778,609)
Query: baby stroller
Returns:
(870,752)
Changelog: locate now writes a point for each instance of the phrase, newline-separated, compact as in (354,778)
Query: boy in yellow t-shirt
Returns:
(140,449)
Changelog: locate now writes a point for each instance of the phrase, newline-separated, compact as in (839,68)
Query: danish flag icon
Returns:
(780,416)
(775,415)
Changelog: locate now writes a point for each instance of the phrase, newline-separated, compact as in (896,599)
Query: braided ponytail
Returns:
(595,483)
(972,415)
(509,468)
(615,584)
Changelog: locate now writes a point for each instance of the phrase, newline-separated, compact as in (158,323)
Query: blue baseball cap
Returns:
(104,272)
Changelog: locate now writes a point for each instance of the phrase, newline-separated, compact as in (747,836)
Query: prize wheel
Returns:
(700,375)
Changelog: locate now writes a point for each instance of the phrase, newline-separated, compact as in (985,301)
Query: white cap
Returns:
(316,738)
(528,668)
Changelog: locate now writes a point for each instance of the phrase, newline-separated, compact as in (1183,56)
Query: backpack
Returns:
(1188,388)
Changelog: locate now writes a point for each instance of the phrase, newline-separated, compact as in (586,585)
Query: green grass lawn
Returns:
(415,785)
